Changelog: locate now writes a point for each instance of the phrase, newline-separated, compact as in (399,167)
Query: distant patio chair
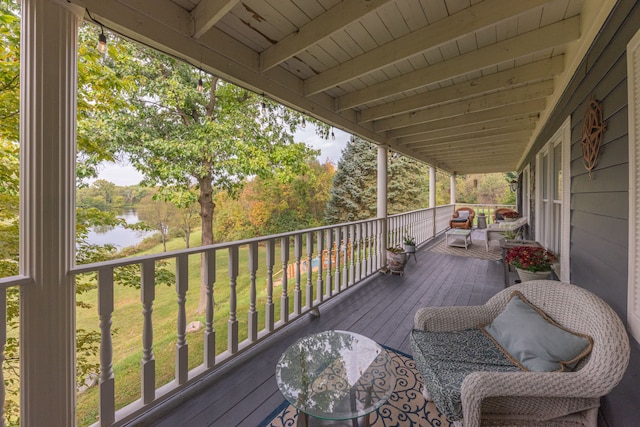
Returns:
(462,218)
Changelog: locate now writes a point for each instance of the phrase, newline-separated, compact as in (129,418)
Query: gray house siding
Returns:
(600,204)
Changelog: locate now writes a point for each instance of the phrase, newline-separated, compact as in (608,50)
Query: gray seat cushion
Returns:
(444,359)
(459,219)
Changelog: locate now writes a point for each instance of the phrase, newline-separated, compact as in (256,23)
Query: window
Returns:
(552,197)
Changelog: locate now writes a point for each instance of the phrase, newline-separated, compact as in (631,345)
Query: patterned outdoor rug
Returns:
(406,407)
(476,250)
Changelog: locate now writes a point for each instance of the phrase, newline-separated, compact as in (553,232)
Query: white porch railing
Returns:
(422,224)
(311,266)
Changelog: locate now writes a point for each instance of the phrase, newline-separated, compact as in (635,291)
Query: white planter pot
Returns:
(525,275)
(396,262)
(409,248)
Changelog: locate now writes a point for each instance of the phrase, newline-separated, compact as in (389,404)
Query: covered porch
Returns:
(467,87)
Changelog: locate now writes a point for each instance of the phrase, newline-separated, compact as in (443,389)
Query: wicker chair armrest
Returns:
(444,319)
(481,385)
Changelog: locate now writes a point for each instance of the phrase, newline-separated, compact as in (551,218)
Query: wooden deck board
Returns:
(381,308)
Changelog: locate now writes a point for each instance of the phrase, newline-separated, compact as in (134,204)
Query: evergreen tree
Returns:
(354,193)
(407,184)
(353,196)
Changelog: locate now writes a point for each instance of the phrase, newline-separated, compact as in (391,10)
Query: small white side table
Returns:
(459,237)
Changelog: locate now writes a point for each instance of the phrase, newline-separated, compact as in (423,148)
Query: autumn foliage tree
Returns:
(268,206)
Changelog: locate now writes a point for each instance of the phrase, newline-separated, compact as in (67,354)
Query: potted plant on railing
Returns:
(531,262)
(397,259)
(409,244)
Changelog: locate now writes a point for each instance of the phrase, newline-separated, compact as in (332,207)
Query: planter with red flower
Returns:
(510,216)
(531,263)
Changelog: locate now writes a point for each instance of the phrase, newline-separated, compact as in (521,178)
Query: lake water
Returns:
(119,236)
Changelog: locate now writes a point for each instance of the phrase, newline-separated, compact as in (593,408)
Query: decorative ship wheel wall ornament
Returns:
(593,126)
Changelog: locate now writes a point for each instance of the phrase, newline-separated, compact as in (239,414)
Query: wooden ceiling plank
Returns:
(420,139)
(502,79)
(476,153)
(317,29)
(497,140)
(477,156)
(523,93)
(455,26)
(208,12)
(472,128)
(528,43)
(463,163)
(413,14)
(514,110)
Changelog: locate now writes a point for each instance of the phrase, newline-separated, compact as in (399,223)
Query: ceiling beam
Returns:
(513,110)
(317,29)
(450,28)
(208,12)
(485,102)
(543,69)
(525,44)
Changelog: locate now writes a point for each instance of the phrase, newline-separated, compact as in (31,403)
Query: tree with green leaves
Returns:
(354,192)
(159,215)
(179,137)
(9,70)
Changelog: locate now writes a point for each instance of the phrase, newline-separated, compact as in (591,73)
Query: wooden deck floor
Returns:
(381,308)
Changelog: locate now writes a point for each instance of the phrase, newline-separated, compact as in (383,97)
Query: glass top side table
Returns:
(335,375)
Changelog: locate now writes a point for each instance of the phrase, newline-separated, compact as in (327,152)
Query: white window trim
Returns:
(633,82)
(526,192)
(562,136)
(565,242)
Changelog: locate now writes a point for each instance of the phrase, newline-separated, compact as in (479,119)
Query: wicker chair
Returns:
(459,222)
(497,214)
(541,398)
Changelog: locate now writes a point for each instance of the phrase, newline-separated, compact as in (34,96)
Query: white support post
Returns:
(432,187)
(48,82)
(432,200)
(382,203)
(453,188)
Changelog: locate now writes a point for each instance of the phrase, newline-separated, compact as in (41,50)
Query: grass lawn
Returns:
(128,322)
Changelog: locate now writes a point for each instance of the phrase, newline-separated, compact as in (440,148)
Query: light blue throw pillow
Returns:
(534,341)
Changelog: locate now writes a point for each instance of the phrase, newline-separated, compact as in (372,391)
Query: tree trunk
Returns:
(206,214)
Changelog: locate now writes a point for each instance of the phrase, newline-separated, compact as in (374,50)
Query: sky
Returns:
(123,175)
